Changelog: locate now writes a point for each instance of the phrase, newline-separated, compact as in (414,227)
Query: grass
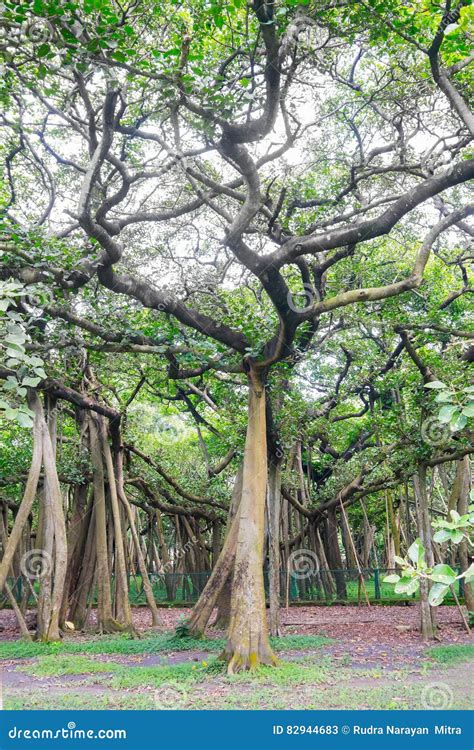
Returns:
(45,700)
(313,680)
(158,643)
(122,676)
(324,696)
(453,654)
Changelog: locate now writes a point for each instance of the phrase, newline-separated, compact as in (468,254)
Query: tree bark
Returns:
(202,610)
(335,559)
(52,490)
(30,490)
(125,612)
(106,622)
(222,620)
(274,508)
(463,502)
(247,641)
(427,613)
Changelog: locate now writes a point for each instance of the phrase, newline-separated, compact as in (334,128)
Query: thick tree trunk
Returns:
(202,610)
(170,579)
(45,542)
(216,540)
(427,613)
(76,540)
(77,528)
(124,611)
(59,557)
(30,490)
(147,587)
(106,622)
(247,643)
(274,507)
(326,576)
(80,595)
(463,502)
(394,527)
(222,620)
(335,559)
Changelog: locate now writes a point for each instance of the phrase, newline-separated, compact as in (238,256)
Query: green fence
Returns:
(323,587)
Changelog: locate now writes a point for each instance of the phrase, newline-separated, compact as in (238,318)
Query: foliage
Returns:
(442,576)
(457,407)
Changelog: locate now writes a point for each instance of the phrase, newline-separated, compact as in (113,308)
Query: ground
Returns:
(336,657)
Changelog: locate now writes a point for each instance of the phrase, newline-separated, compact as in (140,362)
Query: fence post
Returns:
(377,584)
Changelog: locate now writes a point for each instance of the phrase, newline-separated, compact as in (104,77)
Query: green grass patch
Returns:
(28,700)
(287,674)
(452,654)
(105,645)
(157,643)
(124,677)
(56,665)
(299,642)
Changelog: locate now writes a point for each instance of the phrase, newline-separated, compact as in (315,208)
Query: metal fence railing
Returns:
(323,586)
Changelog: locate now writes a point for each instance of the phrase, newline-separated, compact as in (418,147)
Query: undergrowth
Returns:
(158,643)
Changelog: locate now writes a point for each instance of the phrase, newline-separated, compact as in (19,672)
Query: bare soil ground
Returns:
(375,660)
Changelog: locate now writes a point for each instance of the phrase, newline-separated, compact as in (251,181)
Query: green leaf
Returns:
(407,586)
(10,384)
(468,574)
(43,50)
(393,578)
(446,413)
(436,384)
(437,593)
(444,396)
(416,552)
(24,420)
(468,410)
(32,382)
(458,423)
(14,346)
(443,574)
(443,535)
